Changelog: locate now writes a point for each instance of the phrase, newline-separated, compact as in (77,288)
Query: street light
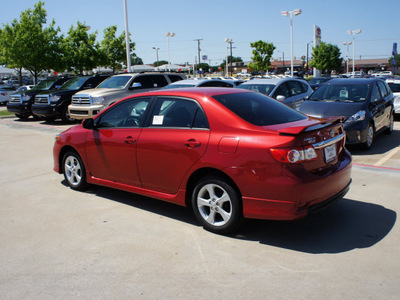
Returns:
(227,41)
(347,64)
(286,13)
(353,32)
(156,53)
(168,35)
(307,54)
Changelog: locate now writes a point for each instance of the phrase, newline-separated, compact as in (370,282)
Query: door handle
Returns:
(192,143)
(129,140)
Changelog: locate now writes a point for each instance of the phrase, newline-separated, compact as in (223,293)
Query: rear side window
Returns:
(259,109)
(395,87)
(151,81)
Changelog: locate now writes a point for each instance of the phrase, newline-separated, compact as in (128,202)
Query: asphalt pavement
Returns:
(56,243)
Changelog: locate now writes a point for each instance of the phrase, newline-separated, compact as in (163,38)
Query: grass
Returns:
(5,113)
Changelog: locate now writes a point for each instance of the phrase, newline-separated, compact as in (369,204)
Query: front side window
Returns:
(259,109)
(129,113)
(382,87)
(294,88)
(172,112)
(282,90)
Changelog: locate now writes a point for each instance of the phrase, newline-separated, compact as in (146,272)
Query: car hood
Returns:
(324,109)
(58,92)
(100,91)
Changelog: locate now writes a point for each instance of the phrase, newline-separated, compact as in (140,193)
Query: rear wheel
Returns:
(22,117)
(217,205)
(74,171)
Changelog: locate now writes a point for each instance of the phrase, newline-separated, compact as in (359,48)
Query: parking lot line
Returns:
(375,167)
(387,157)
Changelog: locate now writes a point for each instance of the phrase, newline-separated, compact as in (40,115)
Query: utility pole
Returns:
(198,48)
(230,46)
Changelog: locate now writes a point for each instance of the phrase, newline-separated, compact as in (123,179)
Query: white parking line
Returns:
(387,157)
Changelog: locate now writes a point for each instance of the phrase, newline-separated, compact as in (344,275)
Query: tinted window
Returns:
(282,90)
(130,113)
(174,78)
(304,87)
(382,88)
(258,109)
(215,84)
(266,89)
(171,112)
(294,88)
(395,87)
(93,82)
(151,81)
(375,94)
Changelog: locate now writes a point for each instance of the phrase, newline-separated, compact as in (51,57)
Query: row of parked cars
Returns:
(367,106)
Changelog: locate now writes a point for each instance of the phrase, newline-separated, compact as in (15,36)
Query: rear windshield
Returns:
(395,87)
(261,88)
(259,109)
(115,82)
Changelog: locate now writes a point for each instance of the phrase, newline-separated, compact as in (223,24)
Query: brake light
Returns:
(3,94)
(294,155)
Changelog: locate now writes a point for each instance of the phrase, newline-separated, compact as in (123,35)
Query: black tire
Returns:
(217,205)
(389,130)
(49,119)
(65,117)
(22,117)
(74,171)
(370,137)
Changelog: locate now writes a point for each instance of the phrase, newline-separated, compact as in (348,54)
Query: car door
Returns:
(176,138)
(380,108)
(112,146)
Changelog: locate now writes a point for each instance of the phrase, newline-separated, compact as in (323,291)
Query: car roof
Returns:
(273,81)
(197,81)
(193,92)
(366,81)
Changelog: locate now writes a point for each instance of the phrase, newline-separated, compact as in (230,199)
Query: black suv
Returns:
(53,104)
(21,102)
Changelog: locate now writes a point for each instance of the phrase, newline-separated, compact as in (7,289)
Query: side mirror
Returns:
(280,98)
(88,124)
(135,85)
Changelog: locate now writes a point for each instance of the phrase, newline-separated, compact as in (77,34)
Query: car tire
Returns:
(370,137)
(217,205)
(22,117)
(74,171)
(49,119)
(390,129)
(65,117)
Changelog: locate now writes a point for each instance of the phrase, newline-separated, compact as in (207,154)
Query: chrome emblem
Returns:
(332,133)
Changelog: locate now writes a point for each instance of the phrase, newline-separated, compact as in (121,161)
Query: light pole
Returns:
(127,45)
(286,13)
(347,63)
(168,35)
(353,32)
(227,41)
(156,53)
(307,54)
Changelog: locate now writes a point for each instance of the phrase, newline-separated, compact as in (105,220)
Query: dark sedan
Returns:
(366,105)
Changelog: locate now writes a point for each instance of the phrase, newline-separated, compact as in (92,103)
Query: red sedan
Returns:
(228,153)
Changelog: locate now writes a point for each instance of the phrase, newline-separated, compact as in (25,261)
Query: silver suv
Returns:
(86,104)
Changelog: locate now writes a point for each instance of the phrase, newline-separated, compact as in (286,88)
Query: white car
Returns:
(290,91)
(394,85)
(200,82)
(5,93)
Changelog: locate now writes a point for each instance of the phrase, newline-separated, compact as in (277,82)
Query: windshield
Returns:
(115,82)
(265,89)
(395,87)
(74,84)
(176,86)
(43,85)
(341,93)
(258,109)
(318,80)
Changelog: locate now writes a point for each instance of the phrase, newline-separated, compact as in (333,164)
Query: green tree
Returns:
(160,63)
(262,53)
(26,43)
(135,60)
(113,49)
(397,61)
(326,57)
(82,52)
(230,59)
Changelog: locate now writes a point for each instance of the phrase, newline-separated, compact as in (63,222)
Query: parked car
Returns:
(316,82)
(394,85)
(5,93)
(88,103)
(25,88)
(366,104)
(190,83)
(228,153)
(53,104)
(290,91)
(21,102)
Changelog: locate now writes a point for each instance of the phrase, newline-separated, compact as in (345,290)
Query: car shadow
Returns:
(344,226)
(383,143)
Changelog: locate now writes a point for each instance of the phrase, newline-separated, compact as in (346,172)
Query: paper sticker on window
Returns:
(344,93)
(158,120)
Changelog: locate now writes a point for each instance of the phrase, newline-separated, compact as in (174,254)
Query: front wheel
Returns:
(66,117)
(370,137)
(390,128)
(217,205)
(74,171)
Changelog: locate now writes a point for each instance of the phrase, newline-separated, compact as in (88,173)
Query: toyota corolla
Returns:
(229,154)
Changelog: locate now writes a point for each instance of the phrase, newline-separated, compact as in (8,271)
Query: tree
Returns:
(135,60)
(262,54)
(160,63)
(25,43)
(230,59)
(113,49)
(82,52)
(326,57)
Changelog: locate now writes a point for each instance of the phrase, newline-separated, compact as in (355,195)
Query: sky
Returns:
(242,21)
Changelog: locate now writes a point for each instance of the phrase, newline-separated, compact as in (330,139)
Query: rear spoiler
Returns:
(318,124)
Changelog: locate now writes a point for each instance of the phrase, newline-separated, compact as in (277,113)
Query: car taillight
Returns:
(294,155)
(3,94)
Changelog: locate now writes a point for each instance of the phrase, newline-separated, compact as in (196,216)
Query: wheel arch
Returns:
(64,150)
(204,172)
